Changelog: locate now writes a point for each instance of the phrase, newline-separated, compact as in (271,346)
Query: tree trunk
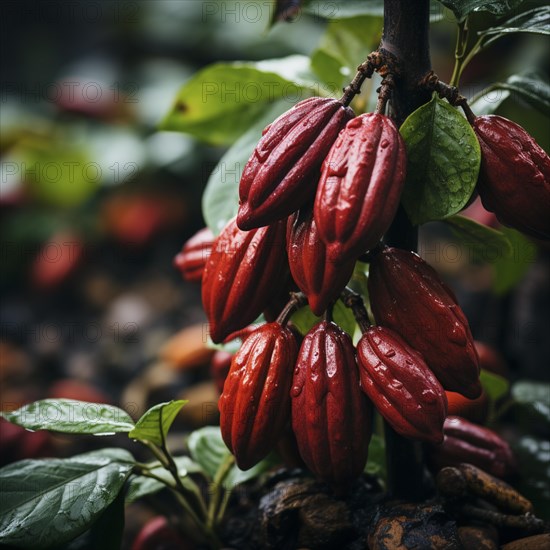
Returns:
(406,36)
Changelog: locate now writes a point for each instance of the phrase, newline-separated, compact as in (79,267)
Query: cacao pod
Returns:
(401,386)
(408,296)
(281,175)
(237,283)
(360,186)
(255,403)
(330,416)
(465,441)
(318,278)
(194,255)
(514,178)
(475,410)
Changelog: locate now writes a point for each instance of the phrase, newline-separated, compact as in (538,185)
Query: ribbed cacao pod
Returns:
(282,173)
(330,416)
(514,179)
(319,279)
(401,386)
(237,283)
(467,442)
(255,403)
(194,255)
(408,296)
(360,186)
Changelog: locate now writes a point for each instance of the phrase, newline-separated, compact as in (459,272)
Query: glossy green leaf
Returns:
(462,8)
(208,449)
(535,21)
(495,386)
(533,88)
(140,486)
(345,45)
(106,533)
(71,416)
(220,201)
(443,158)
(219,103)
(236,476)
(509,270)
(153,426)
(483,243)
(49,502)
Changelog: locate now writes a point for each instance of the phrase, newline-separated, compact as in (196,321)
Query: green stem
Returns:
(460,52)
(217,486)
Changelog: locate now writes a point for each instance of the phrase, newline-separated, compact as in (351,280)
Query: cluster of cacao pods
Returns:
(320,190)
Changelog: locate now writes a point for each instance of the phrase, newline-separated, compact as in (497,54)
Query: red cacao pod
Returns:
(475,410)
(467,442)
(330,416)
(401,386)
(360,186)
(408,296)
(281,175)
(194,255)
(237,283)
(319,279)
(514,179)
(255,403)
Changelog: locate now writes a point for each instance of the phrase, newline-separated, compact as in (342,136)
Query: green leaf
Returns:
(443,158)
(220,200)
(106,533)
(530,392)
(462,8)
(57,172)
(509,270)
(533,88)
(153,426)
(376,463)
(343,317)
(49,502)
(208,449)
(71,416)
(304,320)
(345,44)
(483,243)
(535,21)
(221,102)
(495,386)
(536,396)
(140,486)
(236,476)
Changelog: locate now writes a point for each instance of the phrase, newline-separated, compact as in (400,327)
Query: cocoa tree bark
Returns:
(406,37)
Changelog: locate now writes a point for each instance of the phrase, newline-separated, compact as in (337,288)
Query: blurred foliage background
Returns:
(96,201)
